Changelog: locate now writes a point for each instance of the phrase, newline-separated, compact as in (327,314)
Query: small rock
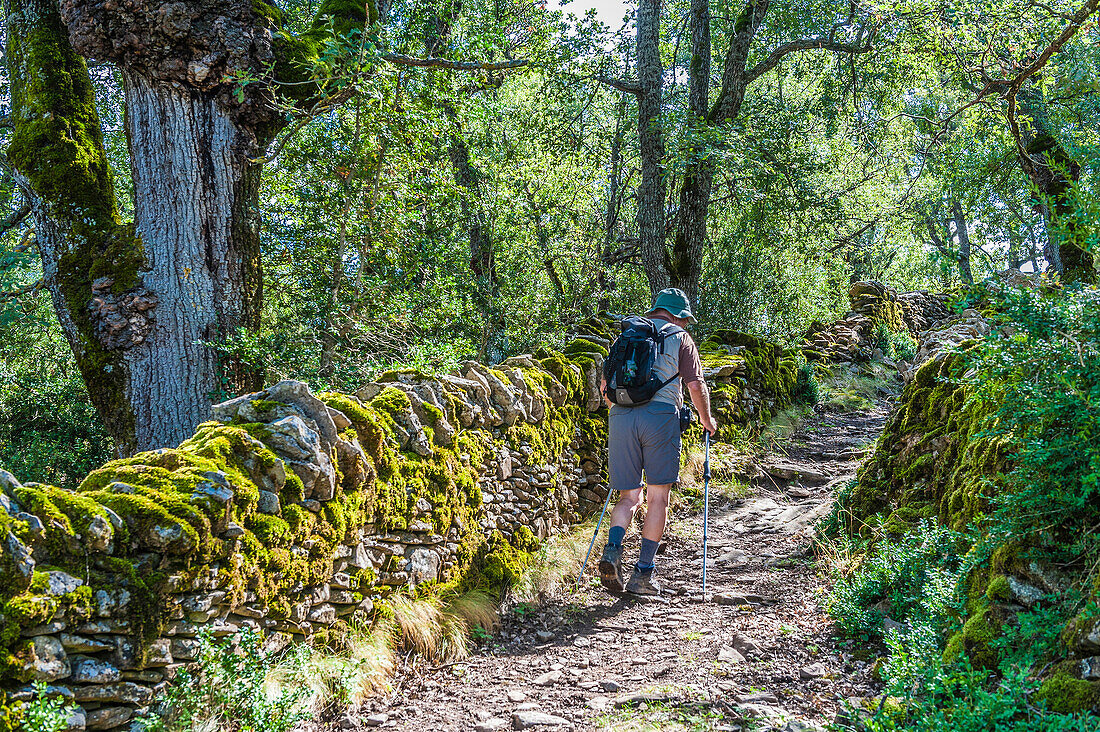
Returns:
(376,720)
(531,718)
(492,724)
(813,671)
(764,697)
(730,655)
(346,721)
(598,702)
(548,678)
(582,642)
(1090,668)
(735,557)
(108,717)
(723,598)
(83,644)
(233,531)
(609,686)
(545,635)
(516,696)
(61,583)
(746,646)
(48,661)
(94,671)
(269,503)
(124,692)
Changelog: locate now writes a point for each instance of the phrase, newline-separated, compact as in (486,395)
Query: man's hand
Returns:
(603,393)
(700,397)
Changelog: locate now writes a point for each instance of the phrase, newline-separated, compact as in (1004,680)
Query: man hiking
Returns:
(646,436)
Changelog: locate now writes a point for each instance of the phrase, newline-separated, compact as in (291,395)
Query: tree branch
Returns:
(804,44)
(24,290)
(621,85)
(16,217)
(443,63)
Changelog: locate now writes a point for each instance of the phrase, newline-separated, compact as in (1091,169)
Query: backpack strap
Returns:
(666,330)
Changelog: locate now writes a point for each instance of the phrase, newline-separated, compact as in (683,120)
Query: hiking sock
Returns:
(649,550)
(615,535)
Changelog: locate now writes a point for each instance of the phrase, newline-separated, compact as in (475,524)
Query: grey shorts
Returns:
(643,438)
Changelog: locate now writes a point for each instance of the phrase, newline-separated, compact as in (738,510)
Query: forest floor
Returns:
(757,652)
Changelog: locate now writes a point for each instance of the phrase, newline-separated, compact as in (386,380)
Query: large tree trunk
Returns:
(685,259)
(651,144)
(196,202)
(685,262)
(962,237)
(91,262)
(139,303)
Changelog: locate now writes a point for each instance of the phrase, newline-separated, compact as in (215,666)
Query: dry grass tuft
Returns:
(477,609)
(420,623)
(556,564)
(342,678)
(441,631)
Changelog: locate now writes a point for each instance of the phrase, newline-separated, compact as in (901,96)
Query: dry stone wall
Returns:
(852,338)
(295,513)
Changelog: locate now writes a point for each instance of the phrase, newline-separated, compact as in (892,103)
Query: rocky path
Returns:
(757,652)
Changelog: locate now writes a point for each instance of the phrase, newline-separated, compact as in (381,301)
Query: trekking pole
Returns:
(706,507)
(594,535)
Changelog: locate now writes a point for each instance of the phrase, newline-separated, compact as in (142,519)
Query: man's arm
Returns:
(700,397)
(603,393)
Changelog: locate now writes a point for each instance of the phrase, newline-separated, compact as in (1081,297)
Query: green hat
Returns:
(676,302)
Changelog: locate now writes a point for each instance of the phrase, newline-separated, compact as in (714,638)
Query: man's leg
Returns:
(656,517)
(610,567)
(661,457)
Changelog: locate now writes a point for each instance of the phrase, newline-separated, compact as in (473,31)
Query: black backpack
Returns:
(630,367)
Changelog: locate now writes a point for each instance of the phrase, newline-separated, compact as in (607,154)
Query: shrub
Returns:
(45,713)
(230,691)
(807,388)
(895,344)
(914,580)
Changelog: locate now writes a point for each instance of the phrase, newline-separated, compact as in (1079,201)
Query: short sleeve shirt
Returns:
(689,366)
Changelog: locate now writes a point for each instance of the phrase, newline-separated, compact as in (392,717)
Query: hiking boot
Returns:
(642,582)
(611,568)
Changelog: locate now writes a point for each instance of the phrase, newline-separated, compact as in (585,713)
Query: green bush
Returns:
(807,388)
(228,691)
(1039,378)
(45,713)
(914,580)
(895,344)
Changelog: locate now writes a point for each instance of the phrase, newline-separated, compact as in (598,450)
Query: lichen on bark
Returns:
(57,149)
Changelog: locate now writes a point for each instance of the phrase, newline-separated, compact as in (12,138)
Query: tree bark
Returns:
(685,259)
(962,238)
(196,203)
(1053,173)
(651,144)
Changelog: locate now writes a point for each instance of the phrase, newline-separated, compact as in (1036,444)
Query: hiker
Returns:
(646,436)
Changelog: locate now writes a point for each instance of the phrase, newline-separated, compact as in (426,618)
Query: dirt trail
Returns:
(761,648)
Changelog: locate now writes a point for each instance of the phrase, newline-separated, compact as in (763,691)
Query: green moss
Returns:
(583,345)
(998,589)
(1065,694)
(934,442)
(57,144)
